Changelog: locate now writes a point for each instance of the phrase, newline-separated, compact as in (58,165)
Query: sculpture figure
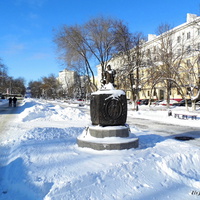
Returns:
(109,75)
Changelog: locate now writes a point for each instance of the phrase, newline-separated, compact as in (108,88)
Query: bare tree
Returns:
(4,78)
(87,45)
(50,86)
(124,45)
(100,39)
(18,86)
(167,57)
(130,53)
(192,78)
(71,43)
(36,88)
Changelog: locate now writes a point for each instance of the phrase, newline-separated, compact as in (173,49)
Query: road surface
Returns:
(166,130)
(7,114)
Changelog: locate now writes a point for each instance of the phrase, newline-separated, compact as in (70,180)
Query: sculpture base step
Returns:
(109,131)
(107,143)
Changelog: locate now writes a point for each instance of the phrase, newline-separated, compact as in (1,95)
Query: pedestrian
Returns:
(14,101)
(10,102)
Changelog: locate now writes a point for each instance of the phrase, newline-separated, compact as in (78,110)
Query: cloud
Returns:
(32,3)
(40,56)
(13,49)
(33,16)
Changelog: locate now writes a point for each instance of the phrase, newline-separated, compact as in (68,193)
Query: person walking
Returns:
(14,101)
(10,101)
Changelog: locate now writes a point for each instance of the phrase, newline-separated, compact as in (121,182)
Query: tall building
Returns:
(175,50)
(67,78)
(179,48)
(69,81)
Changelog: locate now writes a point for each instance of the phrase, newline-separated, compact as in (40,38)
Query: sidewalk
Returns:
(7,114)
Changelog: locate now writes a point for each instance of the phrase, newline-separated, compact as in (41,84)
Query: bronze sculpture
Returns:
(109,75)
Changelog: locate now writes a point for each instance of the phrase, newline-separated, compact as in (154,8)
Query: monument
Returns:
(108,111)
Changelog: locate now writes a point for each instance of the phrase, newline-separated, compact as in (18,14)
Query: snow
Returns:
(108,86)
(110,140)
(160,114)
(114,93)
(40,159)
(3,102)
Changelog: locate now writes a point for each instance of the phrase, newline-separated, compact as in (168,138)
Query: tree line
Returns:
(102,40)
(9,85)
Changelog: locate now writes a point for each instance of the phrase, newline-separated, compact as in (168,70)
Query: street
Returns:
(7,114)
(166,130)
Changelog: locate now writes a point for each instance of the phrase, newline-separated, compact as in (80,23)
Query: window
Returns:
(170,43)
(188,35)
(188,63)
(154,49)
(178,39)
(149,62)
(198,31)
(178,91)
(188,49)
(198,46)
(179,51)
(154,92)
(198,62)
(148,52)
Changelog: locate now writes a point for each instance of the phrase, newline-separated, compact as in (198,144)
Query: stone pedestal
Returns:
(108,110)
(107,138)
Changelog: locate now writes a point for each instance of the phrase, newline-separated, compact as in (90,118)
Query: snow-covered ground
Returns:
(40,159)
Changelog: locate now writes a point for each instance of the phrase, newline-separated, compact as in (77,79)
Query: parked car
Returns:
(144,102)
(157,102)
(139,102)
(80,99)
(197,103)
(182,103)
(171,102)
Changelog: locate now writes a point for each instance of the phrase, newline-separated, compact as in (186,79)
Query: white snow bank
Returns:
(160,114)
(48,112)
(43,161)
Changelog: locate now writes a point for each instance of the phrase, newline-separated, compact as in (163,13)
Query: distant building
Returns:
(71,84)
(67,78)
(28,92)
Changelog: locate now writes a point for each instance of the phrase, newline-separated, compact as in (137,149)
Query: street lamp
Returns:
(137,88)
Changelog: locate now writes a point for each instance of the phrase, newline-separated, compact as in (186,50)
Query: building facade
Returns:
(169,63)
(69,82)
(74,85)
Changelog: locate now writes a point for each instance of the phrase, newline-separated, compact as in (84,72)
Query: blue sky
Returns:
(26,34)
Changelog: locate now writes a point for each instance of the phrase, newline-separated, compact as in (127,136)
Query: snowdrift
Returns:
(40,160)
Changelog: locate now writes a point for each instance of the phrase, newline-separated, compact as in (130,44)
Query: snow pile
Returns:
(48,112)
(160,114)
(45,163)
